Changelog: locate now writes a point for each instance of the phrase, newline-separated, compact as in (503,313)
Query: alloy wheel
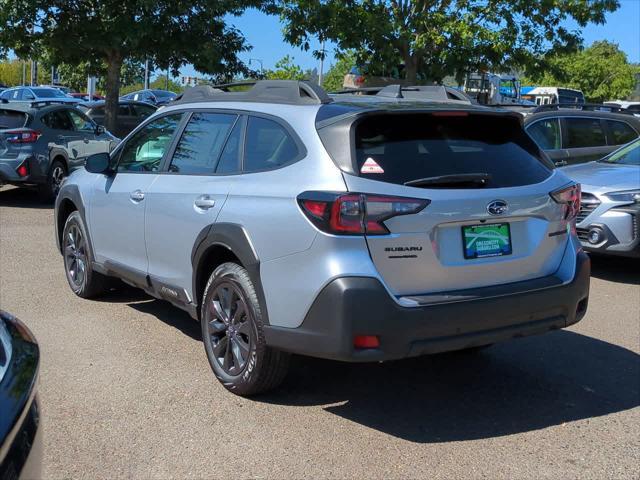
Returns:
(229,329)
(75,255)
(57,176)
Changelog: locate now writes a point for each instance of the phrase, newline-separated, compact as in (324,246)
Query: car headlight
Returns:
(630,196)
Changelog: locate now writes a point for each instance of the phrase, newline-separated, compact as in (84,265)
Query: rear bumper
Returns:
(8,173)
(352,306)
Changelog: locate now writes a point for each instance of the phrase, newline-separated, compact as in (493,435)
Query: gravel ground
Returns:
(126,390)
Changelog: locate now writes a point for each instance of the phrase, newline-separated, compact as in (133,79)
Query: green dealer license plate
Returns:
(491,240)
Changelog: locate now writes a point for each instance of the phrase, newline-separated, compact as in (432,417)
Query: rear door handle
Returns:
(137,196)
(204,202)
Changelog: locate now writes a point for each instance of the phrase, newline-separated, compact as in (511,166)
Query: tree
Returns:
(334,78)
(169,33)
(601,71)
(285,69)
(436,38)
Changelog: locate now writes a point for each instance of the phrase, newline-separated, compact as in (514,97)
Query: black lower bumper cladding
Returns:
(353,306)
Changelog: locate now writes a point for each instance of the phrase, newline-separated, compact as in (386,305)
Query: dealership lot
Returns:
(126,390)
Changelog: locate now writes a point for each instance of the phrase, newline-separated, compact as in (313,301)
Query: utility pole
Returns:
(34,73)
(260,62)
(321,64)
(166,80)
(24,73)
(146,74)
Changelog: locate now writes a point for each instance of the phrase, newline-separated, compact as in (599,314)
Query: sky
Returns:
(264,34)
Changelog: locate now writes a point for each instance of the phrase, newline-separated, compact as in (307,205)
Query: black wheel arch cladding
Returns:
(234,238)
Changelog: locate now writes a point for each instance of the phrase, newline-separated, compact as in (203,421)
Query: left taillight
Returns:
(569,197)
(22,136)
(356,213)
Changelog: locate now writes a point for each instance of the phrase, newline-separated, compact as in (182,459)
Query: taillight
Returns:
(356,213)
(22,136)
(570,198)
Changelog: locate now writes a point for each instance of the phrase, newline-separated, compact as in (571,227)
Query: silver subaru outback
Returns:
(354,228)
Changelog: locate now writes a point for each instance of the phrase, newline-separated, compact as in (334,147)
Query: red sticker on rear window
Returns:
(370,166)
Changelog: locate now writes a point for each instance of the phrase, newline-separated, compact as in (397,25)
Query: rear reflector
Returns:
(366,341)
(23,170)
(355,213)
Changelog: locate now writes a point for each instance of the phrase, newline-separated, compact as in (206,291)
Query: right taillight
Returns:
(356,213)
(570,198)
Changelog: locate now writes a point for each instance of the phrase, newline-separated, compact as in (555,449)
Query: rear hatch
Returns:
(490,219)
(11,121)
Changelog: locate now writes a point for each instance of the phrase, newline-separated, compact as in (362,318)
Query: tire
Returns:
(49,191)
(77,255)
(233,334)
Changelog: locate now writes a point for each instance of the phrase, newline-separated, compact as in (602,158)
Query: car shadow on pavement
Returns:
(616,269)
(21,198)
(515,387)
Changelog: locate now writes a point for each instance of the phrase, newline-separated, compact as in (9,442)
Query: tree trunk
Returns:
(114,63)
(411,69)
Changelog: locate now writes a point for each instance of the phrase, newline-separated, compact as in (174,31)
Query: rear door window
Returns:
(584,132)
(58,120)
(620,132)
(230,158)
(12,119)
(201,143)
(401,148)
(546,133)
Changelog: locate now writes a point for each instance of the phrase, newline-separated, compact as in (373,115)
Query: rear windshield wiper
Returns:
(460,180)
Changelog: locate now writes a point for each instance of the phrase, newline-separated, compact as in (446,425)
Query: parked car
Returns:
(85,97)
(633,107)
(286,221)
(36,94)
(130,114)
(574,135)
(20,429)
(154,97)
(41,144)
(64,89)
(609,218)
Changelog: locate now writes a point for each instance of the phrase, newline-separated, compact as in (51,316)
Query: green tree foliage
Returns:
(170,33)
(11,73)
(286,69)
(601,71)
(436,38)
(159,83)
(334,78)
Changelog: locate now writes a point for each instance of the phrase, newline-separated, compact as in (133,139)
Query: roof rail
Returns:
(289,92)
(589,107)
(44,103)
(439,93)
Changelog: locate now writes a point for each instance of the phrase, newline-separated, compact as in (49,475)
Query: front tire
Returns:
(76,251)
(233,335)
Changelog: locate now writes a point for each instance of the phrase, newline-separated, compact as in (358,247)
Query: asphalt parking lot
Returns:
(126,390)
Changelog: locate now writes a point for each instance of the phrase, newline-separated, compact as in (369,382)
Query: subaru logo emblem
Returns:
(497,207)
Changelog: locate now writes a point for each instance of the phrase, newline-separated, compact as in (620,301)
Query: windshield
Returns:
(163,93)
(628,155)
(48,93)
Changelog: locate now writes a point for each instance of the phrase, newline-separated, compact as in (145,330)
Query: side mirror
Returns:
(100,129)
(99,163)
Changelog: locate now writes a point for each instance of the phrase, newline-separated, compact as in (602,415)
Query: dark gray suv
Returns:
(42,142)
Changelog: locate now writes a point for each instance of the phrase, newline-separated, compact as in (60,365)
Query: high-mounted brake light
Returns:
(356,213)
(22,136)
(450,114)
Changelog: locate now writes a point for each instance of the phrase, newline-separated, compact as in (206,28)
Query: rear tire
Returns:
(77,255)
(57,173)
(233,334)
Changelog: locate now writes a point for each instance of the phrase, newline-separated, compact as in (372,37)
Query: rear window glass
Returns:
(12,119)
(401,148)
